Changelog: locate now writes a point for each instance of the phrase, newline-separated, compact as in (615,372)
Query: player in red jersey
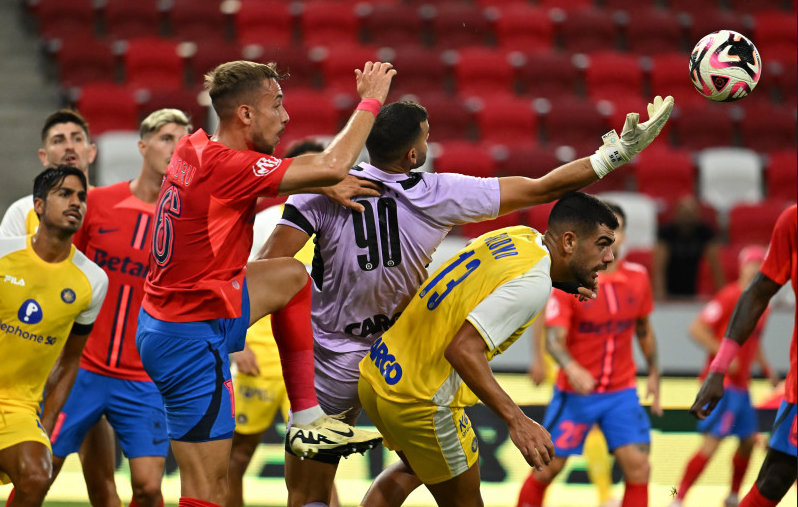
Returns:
(736,416)
(201,294)
(592,342)
(779,469)
(111,380)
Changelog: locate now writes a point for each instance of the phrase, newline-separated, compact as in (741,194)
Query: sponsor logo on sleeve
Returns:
(265,165)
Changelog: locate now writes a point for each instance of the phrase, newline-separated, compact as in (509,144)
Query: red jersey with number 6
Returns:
(600,331)
(116,235)
(202,234)
(780,266)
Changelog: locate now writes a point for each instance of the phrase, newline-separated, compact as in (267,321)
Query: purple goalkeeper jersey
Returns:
(367,266)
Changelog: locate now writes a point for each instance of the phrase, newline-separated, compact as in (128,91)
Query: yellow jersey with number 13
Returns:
(40,302)
(499,283)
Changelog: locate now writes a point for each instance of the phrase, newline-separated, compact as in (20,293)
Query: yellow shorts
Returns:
(19,425)
(257,402)
(438,442)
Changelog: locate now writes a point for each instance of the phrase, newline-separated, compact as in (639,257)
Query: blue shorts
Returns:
(133,407)
(619,415)
(733,415)
(783,437)
(188,361)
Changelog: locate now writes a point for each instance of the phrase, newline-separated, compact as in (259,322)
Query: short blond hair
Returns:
(231,83)
(161,117)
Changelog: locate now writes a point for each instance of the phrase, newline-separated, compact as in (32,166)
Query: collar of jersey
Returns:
(372,172)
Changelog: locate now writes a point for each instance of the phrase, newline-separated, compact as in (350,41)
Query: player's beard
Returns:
(584,274)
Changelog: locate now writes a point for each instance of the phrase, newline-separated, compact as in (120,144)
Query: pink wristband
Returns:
(371,105)
(726,354)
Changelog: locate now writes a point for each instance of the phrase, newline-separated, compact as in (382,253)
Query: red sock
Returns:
(294,337)
(187,501)
(755,499)
(739,466)
(636,495)
(532,492)
(694,468)
(10,497)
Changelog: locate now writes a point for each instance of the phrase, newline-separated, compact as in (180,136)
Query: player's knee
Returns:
(296,275)
(639,472)
(33,484)
(239,459)
(776,477)
(147,492)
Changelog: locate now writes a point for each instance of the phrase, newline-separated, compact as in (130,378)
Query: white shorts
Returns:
(337,374)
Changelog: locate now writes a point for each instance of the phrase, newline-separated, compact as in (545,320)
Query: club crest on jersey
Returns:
(68,296)
(265,165)
(30,312)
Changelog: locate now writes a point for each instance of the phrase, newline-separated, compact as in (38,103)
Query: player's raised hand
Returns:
(618,150)
(374,81)
(533,441)
(708,396)
(349,188)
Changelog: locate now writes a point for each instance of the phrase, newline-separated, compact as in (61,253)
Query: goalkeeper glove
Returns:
(616,151)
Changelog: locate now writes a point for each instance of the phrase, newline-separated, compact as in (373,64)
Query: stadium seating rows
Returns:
(512,86)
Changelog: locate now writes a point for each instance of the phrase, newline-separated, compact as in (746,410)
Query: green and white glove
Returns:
(616,151)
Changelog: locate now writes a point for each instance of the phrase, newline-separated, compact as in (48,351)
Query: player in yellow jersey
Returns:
(49,297)
(419,377)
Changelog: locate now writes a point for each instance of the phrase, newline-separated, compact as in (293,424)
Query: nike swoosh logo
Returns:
(159,442)
(348,433)
(106,231)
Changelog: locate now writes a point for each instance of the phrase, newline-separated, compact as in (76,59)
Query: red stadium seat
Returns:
(154,64)
(623,105)
(108,106)
(549,74)
(448,117)
(781,174)
(616,181)
(670,75)
(703,127)
(324,21)
(476,229)
(471,77)
(786,83)
(703,22)
(339,64)
(746,6)
(531,160)
(125,19)
(507,119)
(653,31)
(265,22)
(208,54)
(537,217)
(612,74)
(705,285)
(192,20)
(457,24)
(753,223)
(693,6)
(423,71)
(294,59)
(665,174)
(630,8)
(465,158)
(57,19)
(768,128)
(523,27)
(311,113)
(589,29)
(393,25)
(83,59)
(567,5)
(776,36)
(576,123)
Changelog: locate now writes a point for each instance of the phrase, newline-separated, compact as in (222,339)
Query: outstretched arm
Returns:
(519,192)
(466,353)
(648,345)
(284,241)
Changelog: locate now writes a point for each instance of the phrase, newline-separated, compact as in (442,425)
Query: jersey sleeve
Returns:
(512,306)
(779,258)
(712,313)
(241,174)
(305,212)
(13,223)
(99,286)
(462,199)
(647,299)
(559,310)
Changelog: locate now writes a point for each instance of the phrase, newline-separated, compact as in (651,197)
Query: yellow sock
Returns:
(599,463)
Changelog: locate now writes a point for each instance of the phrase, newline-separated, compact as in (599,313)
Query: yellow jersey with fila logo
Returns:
(499,283)
(39,304)
(20,218)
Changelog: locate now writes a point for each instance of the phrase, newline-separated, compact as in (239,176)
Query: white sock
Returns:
(306,416)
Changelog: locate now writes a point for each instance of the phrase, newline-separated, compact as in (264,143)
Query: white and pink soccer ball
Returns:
(725,66)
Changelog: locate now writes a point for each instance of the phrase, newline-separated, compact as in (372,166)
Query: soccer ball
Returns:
(725,66)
